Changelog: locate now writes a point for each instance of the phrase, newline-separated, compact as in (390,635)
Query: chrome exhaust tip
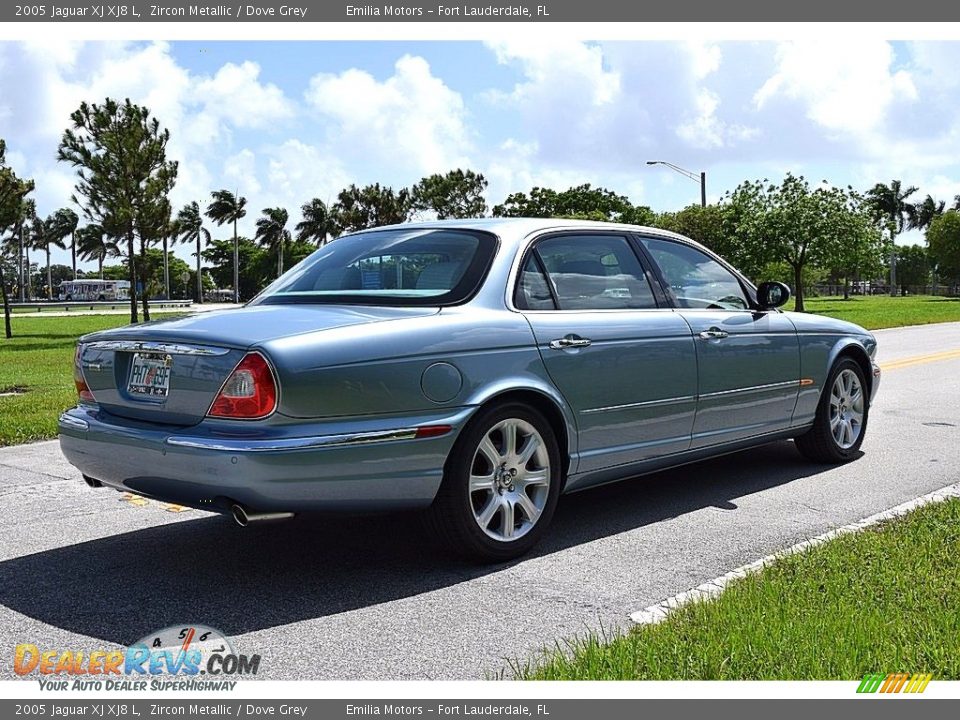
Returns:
(92,482)
(244,517)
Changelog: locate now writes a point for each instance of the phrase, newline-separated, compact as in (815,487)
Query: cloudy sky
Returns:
(286,122)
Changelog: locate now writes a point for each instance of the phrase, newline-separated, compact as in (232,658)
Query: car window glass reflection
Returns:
(696,279)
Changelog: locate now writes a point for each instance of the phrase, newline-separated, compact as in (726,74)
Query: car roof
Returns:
(516,229)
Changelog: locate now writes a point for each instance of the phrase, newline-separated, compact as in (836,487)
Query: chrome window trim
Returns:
(155,347)
(299,443)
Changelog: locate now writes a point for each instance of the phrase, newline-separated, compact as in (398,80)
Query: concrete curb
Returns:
(658,612)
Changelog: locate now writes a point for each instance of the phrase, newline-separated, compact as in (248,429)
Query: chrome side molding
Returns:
(300,443)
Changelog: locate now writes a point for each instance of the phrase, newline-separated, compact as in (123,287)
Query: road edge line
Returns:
(658,612)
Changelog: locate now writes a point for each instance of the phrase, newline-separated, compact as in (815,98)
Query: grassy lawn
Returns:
(882,311)
(39,361)
(884,600)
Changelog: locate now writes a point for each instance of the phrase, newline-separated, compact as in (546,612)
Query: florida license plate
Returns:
(150,375)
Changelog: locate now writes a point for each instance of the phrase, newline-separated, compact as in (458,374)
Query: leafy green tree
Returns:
(890,207)
(318,224)
(913,266)
(943,242)
(711,226)
(272,233)
(14,211)
(255,264)
(794,224)
(120,153)
(582,202)
(371,206)
(457,194)
(229,207)
(190,229)
(922,214)
(93,244)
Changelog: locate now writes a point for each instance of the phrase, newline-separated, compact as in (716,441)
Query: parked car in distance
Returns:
(473,369)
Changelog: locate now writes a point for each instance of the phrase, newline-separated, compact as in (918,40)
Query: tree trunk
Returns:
(166,270)
(100,264)
(798,288)
(73,252)
(280,258)
(49,276)
(6,307)
(199,278)
(28,283)
(236,264)
(846,288)
(132,273)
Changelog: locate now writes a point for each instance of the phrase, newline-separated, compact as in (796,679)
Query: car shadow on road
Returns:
(121,587)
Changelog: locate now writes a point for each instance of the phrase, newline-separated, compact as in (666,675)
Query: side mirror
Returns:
(772,295)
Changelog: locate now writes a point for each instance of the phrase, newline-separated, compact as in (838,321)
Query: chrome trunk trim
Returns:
(155,347)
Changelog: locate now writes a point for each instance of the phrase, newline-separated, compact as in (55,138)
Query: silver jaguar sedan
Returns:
(476,369)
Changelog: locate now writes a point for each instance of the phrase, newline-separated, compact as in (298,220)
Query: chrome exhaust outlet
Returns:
(244,517)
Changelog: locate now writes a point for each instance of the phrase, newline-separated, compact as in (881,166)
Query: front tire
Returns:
(841,420)
(501,485)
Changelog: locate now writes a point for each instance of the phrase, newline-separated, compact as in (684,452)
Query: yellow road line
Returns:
(920,360)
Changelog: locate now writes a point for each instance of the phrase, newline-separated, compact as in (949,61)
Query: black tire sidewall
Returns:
(457,478)
(823,412)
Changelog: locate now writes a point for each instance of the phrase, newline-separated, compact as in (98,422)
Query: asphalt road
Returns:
(371,599)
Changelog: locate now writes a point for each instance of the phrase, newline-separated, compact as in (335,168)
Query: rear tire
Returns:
(501,485)
(841,420)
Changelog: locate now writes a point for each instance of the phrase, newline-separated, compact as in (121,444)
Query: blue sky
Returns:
(287,121)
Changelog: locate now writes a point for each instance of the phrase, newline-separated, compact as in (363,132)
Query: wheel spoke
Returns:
(533,478)
(490,509)
(481,482)
(490,452)
(529,448)
(529,509)
(509,439)
(506,529)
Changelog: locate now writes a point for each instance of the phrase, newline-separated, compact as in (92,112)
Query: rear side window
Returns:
(595,272)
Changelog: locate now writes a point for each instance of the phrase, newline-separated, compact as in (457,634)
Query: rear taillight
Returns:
(83,390)
(250,393)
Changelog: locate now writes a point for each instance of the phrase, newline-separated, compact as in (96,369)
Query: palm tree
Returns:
(317,223)
(925,213)
(43,234)
(229,207)
(273,234)
(189,228)
(890,206)
(93,244)
(61,224)
(956,202)
(68,221)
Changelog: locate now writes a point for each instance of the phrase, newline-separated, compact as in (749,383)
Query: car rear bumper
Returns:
(350,466)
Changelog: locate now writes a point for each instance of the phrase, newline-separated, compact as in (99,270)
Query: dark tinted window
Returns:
(533,293)
(595,272)
(696,279)
(390,267)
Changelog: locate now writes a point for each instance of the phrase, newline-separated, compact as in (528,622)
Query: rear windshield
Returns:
(389,267)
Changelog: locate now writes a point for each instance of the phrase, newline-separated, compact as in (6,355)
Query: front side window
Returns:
(595,272)
(388,267)
(695,278)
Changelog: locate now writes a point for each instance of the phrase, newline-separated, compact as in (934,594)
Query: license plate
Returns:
(150,375)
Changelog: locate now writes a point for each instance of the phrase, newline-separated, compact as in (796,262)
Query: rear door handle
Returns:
(713,333)
(570,341)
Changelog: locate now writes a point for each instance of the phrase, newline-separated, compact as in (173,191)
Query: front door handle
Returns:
(713,333)
(570,341)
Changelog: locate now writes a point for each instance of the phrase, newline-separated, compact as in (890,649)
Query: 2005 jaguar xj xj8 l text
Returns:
(475,368)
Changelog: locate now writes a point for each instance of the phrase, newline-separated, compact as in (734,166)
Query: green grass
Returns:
(39,360)
(882,311)
(885,600)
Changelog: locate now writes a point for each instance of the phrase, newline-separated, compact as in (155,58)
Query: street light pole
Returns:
(701,178)
(20,264)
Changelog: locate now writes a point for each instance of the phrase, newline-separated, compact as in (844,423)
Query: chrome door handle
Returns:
(713,334)
(565,343)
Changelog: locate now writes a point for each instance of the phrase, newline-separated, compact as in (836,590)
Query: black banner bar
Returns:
(510,11)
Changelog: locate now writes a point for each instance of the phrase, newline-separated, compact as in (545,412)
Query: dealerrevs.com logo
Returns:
(179,657)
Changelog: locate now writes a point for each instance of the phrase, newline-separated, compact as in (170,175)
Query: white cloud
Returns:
(848,87)
(411,119)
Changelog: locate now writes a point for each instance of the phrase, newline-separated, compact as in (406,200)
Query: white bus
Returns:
(95,290)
